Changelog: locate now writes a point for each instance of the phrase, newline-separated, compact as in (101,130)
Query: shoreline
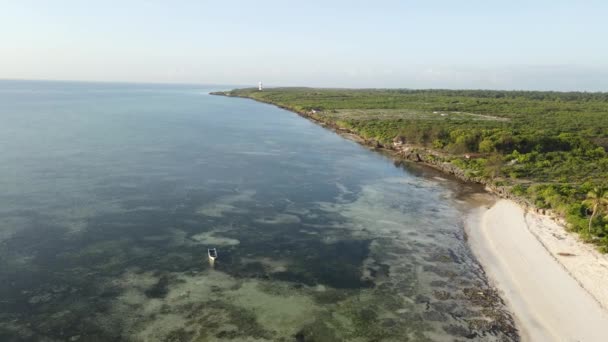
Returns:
(412,153)
(577,307)
(553,297)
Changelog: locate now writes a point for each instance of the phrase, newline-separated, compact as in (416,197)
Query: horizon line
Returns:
(242,86)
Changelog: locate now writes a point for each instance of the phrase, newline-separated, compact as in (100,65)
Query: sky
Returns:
(534,44)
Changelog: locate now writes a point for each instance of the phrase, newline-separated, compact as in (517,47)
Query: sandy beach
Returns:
(553,297)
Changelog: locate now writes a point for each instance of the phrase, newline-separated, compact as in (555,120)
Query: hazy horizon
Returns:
(266,86)
(545,45)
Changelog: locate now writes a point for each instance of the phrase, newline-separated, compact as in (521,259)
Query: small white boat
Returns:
(212,252)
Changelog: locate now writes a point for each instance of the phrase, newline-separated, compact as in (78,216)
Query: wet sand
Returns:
(543,289)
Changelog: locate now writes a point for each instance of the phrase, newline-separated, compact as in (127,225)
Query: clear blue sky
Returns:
(542,44)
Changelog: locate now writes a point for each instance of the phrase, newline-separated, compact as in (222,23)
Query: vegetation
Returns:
(597,200)
(546,147)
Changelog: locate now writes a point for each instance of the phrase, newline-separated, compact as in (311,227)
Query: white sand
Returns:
(544,290)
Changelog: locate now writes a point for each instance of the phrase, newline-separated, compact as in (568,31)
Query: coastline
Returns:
(553,297)
(413,153)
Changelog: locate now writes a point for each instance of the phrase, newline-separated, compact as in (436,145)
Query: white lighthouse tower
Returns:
(260,88)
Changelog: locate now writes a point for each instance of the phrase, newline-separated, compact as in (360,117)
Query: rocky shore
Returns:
(414,153)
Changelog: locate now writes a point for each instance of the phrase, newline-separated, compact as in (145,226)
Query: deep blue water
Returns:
(112,193)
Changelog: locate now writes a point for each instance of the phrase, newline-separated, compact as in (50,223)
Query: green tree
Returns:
(597,200)
(486,146)
(494,165)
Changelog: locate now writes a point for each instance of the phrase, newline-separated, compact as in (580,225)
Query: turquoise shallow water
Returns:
(112,193)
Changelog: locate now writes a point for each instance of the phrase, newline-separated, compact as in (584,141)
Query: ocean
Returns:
(112,193)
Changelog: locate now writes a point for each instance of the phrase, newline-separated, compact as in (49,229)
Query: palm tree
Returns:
(597,199)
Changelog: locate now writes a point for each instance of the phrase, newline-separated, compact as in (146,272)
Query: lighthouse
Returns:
(260,86)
